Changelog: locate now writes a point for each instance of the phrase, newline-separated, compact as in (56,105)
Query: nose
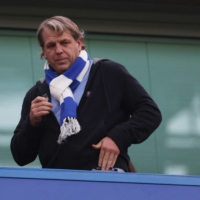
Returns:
(59,49)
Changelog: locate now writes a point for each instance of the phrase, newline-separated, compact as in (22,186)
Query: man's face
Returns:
(60,50)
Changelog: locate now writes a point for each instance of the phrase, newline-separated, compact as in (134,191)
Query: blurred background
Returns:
(157,41)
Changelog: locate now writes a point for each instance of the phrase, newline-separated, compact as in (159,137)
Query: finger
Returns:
(105,160)
(114,160)
(101,157)
(39,102)
(97,146)
(36,116)
(110,161)
(38,99)
(41,105)
(39,111)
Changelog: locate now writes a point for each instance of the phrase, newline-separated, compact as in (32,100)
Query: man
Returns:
(86,113)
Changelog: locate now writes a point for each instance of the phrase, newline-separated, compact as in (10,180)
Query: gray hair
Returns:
(60,24)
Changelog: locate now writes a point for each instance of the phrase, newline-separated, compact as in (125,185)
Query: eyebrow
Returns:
(53,42)
(64,40)
(49,43)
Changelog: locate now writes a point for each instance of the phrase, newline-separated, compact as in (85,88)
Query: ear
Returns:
(80,43)
(42,53)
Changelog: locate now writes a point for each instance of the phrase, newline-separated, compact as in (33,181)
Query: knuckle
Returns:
(106,158)
(110,162)
(103,147)
(117,152)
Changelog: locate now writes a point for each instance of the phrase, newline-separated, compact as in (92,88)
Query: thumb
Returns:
(97,146)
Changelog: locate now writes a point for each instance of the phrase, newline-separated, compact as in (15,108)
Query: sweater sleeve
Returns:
(145,115)
(26,139)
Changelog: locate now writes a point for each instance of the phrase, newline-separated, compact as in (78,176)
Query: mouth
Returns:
(60,59)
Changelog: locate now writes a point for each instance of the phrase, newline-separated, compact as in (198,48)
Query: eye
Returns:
(65,43)
(51,45)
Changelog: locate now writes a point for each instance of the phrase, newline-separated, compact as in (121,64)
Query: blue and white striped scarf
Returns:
(62,87)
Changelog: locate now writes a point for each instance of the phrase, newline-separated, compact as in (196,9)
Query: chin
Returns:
(62,69)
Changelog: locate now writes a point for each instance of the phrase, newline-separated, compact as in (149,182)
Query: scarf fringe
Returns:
(68,128)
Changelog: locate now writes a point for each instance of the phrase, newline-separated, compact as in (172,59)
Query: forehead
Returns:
(51,35)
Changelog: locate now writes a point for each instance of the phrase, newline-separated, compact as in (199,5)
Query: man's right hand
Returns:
(39,107)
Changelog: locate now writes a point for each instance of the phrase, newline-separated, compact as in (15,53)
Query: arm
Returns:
(26,140)
(144,114)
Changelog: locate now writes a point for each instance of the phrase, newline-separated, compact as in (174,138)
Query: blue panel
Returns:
(65,184)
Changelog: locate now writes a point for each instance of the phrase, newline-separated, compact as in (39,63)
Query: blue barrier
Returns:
(56,184)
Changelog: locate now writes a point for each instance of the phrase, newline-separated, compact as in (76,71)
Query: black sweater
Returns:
(117,107)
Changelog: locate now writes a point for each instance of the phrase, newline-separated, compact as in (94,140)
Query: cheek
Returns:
(50,55)
(74,53)
(50,58)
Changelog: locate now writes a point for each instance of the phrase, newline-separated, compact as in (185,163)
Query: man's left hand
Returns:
(109,152)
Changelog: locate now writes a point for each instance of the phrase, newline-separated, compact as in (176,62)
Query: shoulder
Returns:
(110,66)
(111,72)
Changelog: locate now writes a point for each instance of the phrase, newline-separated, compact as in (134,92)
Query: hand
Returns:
(108,153)
(39,107)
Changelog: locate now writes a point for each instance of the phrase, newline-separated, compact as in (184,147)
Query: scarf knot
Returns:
(62,88)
